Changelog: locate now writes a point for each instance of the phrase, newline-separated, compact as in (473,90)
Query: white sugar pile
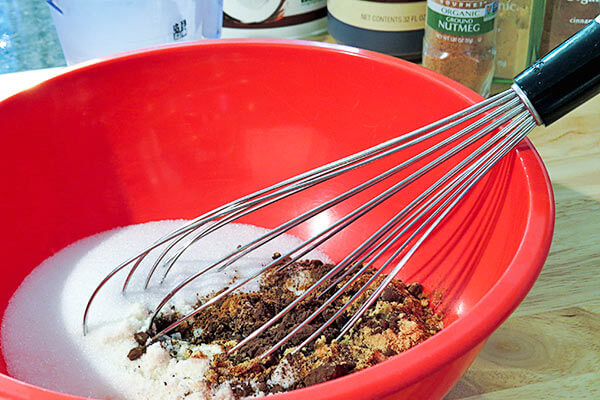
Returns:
(42,338)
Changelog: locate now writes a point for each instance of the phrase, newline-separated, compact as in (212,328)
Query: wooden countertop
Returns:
(550,347)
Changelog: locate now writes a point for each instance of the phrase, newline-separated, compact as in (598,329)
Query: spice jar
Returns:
(393,27)
(518,32)
(460,40)
(564,18)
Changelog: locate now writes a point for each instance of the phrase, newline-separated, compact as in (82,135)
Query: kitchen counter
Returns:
(550,347)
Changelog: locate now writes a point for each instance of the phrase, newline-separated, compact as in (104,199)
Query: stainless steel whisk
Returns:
(543,93)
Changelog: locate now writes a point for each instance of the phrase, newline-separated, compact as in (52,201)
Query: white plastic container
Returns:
(93,28)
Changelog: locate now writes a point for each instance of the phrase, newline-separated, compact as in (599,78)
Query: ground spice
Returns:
(460,41)
(401,318)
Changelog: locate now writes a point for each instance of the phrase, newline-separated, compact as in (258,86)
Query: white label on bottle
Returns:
(457,12)
(244,14)
(389,17)
(295,7)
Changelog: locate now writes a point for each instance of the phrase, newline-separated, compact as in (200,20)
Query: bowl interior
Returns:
(175,132)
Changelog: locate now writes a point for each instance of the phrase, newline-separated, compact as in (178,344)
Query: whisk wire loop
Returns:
(305,183)
(422,211)
(310,178)
(495,119)
(503,114)
(369,242)
(445,208)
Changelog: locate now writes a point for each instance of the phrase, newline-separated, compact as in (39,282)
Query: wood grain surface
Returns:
(550,347)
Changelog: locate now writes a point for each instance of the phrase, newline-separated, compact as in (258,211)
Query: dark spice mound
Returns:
(399,319)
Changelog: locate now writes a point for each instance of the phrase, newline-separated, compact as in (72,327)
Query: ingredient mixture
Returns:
(42,340)
(399,319)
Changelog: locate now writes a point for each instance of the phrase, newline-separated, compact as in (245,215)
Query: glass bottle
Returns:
(460,39)
(393,27)
(519,29)
(564,18)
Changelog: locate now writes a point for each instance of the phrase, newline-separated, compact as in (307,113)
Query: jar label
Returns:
(380,16)
(461,21)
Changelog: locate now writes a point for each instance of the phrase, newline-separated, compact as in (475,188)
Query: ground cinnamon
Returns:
(460,41)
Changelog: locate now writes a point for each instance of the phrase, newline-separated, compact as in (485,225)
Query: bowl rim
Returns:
(450,343)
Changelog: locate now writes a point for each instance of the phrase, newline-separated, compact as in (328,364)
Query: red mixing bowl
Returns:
(174,131)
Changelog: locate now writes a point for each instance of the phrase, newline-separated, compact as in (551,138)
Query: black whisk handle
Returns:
(566,77)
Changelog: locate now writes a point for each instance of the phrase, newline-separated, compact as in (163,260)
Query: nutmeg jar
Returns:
(460,39)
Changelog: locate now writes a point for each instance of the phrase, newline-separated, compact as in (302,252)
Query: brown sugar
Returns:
(399,319)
